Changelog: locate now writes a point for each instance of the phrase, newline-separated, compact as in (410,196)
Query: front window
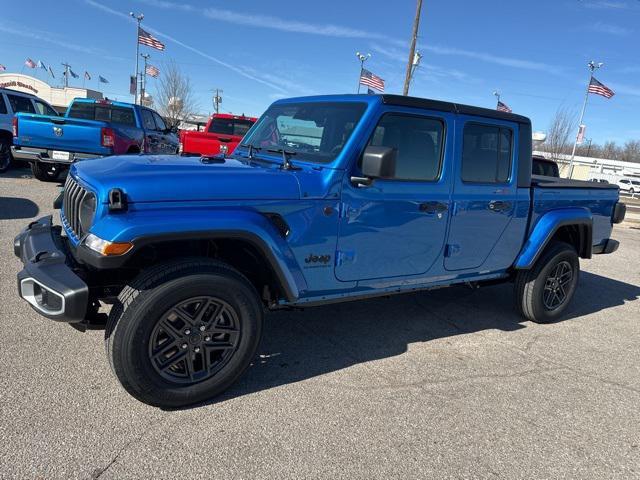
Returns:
(316,132)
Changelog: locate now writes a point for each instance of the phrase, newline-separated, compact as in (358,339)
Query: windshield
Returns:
(316,132)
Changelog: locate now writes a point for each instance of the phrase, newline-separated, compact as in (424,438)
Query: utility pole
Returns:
(363,58)
(138,19)
(143,74)
(66,74)
(593,66)
(217,100)
(412,49)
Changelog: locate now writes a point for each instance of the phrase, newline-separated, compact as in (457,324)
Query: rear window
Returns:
(103,113)
(44,109)
(230,126)
(20,104)
(486,154)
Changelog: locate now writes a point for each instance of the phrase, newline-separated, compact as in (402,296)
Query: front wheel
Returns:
(544,292)
(45,172)
(183,332)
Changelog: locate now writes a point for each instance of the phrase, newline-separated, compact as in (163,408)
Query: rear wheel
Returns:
(544,292)
(183,332)
(45,172)
(5,155)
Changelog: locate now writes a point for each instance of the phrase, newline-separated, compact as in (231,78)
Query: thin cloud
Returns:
(610,29)
(482,56)
(269,21)
(606,5)
(197,51)
(624,89)
(49,38)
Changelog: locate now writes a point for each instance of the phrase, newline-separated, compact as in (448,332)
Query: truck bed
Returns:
(555,182)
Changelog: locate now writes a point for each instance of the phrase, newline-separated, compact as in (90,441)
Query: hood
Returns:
(167,178)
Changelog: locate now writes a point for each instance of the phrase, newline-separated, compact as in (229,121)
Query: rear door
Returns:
(397,226)
(169,143)
(484,192)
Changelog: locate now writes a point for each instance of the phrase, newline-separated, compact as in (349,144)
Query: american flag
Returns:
(503,107)
(153,71)
(30,63)
(370,80)
(145,38)
(600,89)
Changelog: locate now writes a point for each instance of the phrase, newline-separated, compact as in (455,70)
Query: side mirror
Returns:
(377,162)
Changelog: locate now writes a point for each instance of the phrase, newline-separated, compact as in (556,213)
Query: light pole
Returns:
(593,66)
(143,79)
(412,48)
(416,63)
(138,19)
(217,100)
(363,58)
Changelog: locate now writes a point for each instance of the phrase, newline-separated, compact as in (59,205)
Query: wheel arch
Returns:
(573,226)
(240,238)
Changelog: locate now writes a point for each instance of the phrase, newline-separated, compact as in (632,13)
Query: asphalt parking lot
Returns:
(444,384)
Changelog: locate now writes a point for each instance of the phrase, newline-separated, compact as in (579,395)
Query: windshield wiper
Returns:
(251,148)
(286,163)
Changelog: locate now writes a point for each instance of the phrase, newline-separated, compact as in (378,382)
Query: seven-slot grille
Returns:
(73,195)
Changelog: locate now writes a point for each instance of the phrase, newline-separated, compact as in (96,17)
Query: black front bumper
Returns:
(47,281)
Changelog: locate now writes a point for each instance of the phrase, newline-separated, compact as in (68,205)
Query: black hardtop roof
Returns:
(452,107)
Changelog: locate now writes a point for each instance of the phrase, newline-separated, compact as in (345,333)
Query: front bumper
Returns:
(30,154)
(47,282)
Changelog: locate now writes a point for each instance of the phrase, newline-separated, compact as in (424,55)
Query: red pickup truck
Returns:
(221,135)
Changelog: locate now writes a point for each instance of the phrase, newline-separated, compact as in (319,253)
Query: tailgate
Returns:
(207,143)
(60,133)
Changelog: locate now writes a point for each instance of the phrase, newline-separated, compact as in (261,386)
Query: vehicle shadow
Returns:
(299,345)
(12,208)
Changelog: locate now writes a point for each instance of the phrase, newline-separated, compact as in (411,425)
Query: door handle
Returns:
(499,206)
(433,207)
(224,140)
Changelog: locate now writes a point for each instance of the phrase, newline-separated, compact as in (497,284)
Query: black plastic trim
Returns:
(40,247)
(619,212)
(94,259)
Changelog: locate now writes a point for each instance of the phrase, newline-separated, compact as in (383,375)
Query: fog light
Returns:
(105,247)
(42,298)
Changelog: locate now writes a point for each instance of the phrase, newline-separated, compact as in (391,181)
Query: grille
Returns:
(73,195)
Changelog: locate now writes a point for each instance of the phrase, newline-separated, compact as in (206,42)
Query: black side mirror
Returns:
(377,162)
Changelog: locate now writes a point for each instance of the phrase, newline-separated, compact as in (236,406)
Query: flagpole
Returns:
(139,20)
(143,76)
(497,95)
(363,58)
(592,67)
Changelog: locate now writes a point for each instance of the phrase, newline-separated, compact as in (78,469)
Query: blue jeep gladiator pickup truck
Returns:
(89,129)
(327,199)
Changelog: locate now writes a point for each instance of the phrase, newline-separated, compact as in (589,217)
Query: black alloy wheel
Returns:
(194,340)
(557,285)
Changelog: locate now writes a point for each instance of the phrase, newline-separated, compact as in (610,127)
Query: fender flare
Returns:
(253,227)
(547,226)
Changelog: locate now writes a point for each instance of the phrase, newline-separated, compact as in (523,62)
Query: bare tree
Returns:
(174,97)
(631,151)
(559,135)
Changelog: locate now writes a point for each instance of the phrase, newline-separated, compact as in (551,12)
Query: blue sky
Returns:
(534,53)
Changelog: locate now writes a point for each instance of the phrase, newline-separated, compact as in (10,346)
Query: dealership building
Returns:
(58,97)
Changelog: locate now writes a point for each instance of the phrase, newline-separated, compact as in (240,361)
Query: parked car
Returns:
(89,129)
(598,180)
(330,199)
(628,185)
(544,166)
(12,102)
(222,134)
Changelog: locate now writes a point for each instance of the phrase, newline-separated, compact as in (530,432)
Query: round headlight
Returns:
(87,211)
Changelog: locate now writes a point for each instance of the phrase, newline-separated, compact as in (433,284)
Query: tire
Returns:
(538,296)
(5,155)
(45,172)
(145,316)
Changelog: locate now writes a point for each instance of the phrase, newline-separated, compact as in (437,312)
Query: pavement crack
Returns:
(97,473)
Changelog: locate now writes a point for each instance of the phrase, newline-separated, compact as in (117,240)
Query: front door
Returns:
(397,226)
(484,192)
